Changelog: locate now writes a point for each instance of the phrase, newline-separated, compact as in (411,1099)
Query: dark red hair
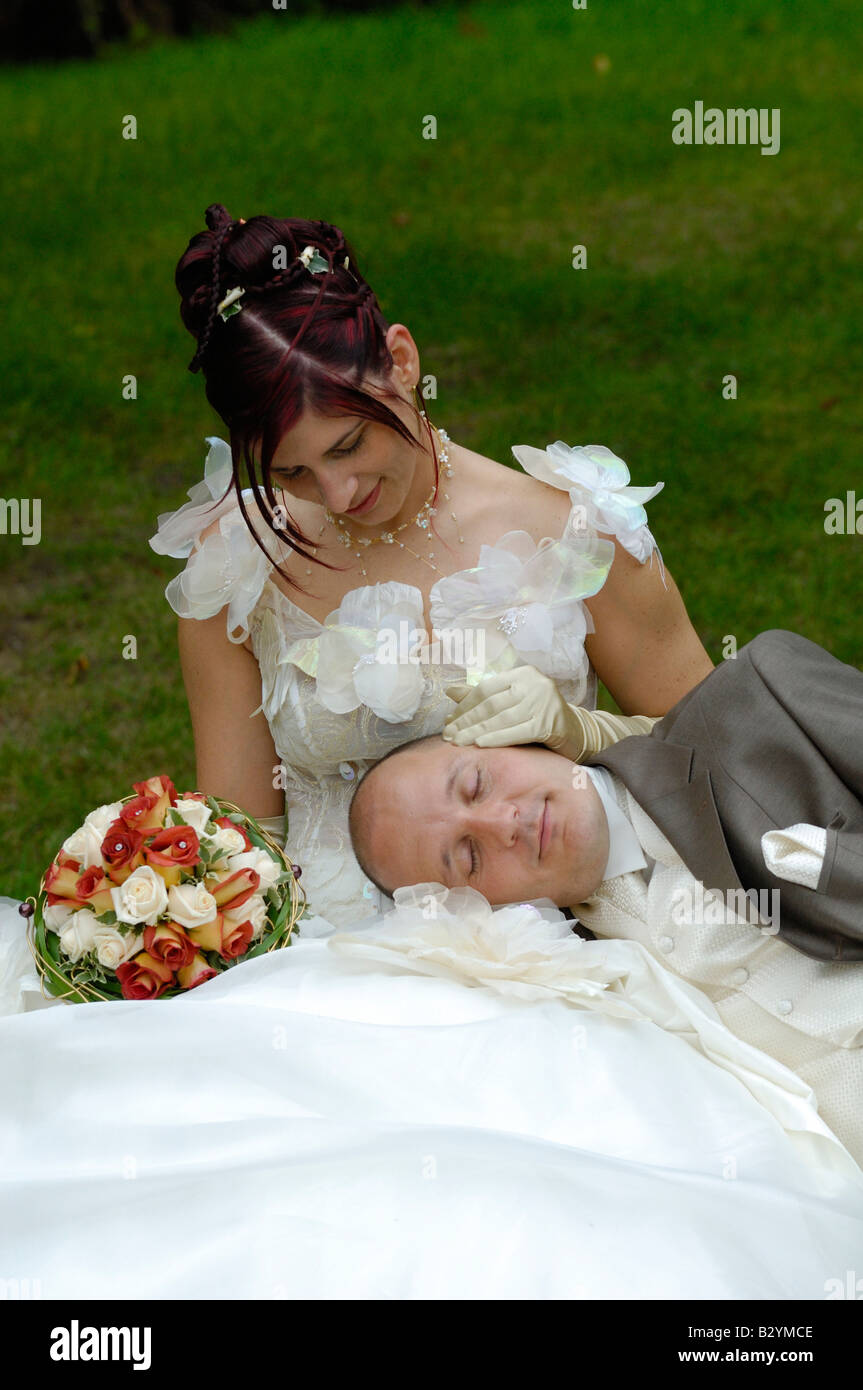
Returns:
(301,340)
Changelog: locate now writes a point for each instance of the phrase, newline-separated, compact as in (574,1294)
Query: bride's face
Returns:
(363,471)
(513,823)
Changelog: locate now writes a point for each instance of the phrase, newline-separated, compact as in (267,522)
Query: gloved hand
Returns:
(524,706)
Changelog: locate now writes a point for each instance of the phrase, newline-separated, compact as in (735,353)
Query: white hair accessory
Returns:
(311,259)
(229,304)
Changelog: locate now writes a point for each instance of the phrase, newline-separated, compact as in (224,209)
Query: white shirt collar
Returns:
(624,851)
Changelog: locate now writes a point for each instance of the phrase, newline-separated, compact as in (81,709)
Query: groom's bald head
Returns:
(515,823)
(367,809)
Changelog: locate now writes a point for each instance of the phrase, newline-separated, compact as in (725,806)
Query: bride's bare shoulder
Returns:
(509,498)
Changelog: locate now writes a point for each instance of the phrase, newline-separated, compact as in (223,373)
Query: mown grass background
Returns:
(554,128)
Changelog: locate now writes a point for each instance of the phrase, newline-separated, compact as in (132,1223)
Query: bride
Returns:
(369,517)
(368,1114)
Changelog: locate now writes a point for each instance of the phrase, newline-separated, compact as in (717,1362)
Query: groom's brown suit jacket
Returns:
(770,738)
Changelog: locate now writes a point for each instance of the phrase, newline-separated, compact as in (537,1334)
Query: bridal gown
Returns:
(425,1099)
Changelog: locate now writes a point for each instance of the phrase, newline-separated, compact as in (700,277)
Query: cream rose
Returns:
(112,948)
(191,904)
(57,914)
(85,844)
(142,898)
(254,910)
(78,935)
(102,817)
(225,841)
(260,861)
(194,813)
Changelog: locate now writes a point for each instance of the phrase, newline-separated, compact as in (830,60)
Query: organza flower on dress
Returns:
(355,664)
(599,481)
(526,599)
(229,567)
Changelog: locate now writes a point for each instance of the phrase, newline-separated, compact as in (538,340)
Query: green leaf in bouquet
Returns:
(51,946)
(108,919)
(112,988)
(74,995)
(266,943)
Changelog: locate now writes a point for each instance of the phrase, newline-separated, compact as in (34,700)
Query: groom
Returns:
(753,781)
(751,784)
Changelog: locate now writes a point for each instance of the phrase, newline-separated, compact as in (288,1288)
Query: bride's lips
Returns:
(368,501)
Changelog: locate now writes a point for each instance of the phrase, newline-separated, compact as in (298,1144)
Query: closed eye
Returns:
(340,453)
(474,857)
(290,474)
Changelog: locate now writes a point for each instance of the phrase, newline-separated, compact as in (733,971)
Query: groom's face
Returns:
(513,823)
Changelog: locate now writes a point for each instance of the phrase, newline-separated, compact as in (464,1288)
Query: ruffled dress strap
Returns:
(229,567)
(598,485)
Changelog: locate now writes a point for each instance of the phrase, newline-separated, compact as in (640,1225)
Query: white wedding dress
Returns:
(425,1100)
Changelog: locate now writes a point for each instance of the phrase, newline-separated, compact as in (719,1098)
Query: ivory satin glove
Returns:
(524,706)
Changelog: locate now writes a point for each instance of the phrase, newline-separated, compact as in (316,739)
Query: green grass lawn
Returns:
(702,261)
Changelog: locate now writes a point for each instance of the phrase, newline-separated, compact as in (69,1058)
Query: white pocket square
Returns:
(796,853)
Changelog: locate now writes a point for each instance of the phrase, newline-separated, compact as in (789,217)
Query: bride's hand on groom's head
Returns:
(524,706)
(511,707)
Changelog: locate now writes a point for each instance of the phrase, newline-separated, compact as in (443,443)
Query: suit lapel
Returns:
(659,775)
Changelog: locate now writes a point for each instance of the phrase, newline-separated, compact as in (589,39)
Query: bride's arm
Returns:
(644,650)
(235,754)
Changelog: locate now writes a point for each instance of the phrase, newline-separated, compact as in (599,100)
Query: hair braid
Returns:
(215,296)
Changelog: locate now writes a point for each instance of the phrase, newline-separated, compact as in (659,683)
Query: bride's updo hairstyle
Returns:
(301,339)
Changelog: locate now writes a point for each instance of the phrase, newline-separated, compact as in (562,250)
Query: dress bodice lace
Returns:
(340,694)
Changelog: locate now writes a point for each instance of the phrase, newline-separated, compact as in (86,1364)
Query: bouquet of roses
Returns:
(156,893)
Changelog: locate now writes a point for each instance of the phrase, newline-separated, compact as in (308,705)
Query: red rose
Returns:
(121,842)
(157,786)
(195,973)
(168,942)
(121,851)
(163,789)
(230,939)
(236,938)
(175,847)
(144,977)
(61,880)
(94,889)
(90,882)
(236,889)
(138,813)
